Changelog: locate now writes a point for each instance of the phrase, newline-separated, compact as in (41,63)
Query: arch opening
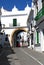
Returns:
(16,36)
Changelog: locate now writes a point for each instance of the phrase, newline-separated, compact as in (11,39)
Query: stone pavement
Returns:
(8,57)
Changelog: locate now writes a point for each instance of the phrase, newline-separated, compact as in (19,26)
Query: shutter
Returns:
(37,37)
(14,22)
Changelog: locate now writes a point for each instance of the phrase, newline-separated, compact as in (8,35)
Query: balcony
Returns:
(40,14)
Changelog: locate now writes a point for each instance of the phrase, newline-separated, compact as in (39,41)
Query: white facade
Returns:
(8,16)
(21,16)
(40,26)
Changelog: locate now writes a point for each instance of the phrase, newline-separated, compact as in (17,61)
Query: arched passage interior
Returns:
(15,35)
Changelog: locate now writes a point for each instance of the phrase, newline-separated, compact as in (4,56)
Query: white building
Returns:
(38,27)
(13,22)
(40,23)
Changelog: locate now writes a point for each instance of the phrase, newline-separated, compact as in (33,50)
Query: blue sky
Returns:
(20,4)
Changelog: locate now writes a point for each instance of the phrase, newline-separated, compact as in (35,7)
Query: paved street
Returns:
(21,56)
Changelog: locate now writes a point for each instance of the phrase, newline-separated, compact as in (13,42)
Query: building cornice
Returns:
(14,15)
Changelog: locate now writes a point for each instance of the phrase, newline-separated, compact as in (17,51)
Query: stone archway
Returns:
(16,31)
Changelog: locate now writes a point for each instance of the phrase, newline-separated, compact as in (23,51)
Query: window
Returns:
(37,37)
(31,39)
(42,3)
(14,22)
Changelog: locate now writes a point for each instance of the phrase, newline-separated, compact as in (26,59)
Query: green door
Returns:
(37,37)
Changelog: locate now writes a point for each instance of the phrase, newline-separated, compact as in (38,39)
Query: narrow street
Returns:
(21,56)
